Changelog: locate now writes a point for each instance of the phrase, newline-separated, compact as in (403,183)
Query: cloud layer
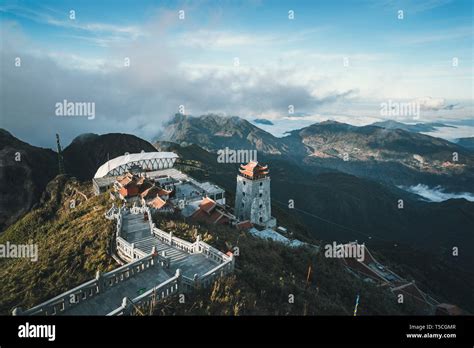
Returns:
(139,97)
(437,194)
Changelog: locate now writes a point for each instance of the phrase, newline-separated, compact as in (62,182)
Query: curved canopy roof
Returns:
(146,160)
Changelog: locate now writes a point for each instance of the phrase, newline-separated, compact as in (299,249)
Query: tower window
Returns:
(245,183)
(243,194)
(260,219)
(260,206)
(261,184)
(260,195)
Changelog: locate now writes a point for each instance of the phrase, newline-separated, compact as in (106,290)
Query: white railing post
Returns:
(98,278)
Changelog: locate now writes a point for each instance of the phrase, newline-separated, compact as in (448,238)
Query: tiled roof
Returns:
(207,205)
(253,170)
(157,203)
(150,192)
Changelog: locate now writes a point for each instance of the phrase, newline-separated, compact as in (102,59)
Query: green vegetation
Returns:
(72,245)
(267,273)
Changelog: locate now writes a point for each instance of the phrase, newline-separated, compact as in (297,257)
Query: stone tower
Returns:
(252,195)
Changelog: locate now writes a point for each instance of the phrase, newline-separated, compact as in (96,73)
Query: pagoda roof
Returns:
(253,170)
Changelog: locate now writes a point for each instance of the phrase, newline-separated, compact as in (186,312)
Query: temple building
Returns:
(252,195)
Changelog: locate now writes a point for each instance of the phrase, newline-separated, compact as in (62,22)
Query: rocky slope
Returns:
(24,172)
(213,132)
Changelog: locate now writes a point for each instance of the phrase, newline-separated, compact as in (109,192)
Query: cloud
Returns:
(220,39)
(437,194)
(137,99)
(433,104)
(109,33)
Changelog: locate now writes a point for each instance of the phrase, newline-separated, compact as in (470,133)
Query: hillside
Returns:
(72,245)
(213,132)
(24,172)
(88,152)
(390,155)
(468,143)
(268,272)
(360,209)
(417,128)
(369,143)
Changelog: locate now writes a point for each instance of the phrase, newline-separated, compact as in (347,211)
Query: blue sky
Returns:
(191,62)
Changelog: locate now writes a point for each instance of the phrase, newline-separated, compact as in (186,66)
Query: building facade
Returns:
(252,195)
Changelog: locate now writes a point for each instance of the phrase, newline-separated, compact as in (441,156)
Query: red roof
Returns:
(253,170)
(157,203)
(207,212)
(163,192)
(207,205)
(126,179)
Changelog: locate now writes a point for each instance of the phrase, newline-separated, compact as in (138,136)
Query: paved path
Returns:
(137,230)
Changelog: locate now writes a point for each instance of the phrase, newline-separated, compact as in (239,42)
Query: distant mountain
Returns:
(394,156)
(419,127)
(24,172)
(263,121)
(88,152)
(468,143)
(213,132)
(332,139)
(331,205)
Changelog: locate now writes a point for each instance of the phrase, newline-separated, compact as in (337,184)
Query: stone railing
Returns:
(210,252)
(176,284)
(167,288)
(127,251)
(87,290)
(219,271)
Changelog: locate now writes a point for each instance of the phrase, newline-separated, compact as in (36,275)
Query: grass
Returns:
(72,245)
(267,273)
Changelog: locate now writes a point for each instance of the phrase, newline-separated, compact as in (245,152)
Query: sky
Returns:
(139,61)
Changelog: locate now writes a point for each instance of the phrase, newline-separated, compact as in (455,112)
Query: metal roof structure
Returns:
(147,161)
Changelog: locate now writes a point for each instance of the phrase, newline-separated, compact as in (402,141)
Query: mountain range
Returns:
(392,155)
(331,201)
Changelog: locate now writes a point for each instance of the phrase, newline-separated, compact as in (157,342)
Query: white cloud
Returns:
(437,194)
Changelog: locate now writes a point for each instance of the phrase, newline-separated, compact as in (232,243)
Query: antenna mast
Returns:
(60,155)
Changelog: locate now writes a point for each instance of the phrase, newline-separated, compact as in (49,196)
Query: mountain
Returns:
(332,139)
(73,243)
(88,152)
(213,132)
(263,121)
(394,156)
(76,242)
(468,143)
(24,172)
(334,206)
(329,206)
(22,182)
(417,128)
